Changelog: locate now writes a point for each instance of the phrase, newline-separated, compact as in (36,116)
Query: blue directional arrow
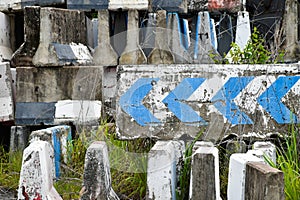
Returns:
(270,100)
(131,101)
(181,93)
(224,100)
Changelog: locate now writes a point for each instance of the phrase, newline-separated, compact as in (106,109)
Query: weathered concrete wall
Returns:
(168,101)
(263,182)
(5,38)
(6,94)
(18,5)
(63,37)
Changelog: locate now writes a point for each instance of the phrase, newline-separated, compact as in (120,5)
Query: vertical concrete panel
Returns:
(204,182)
(96,177)
(36,180)
(161,173)
(6,93)
(5,38)
(263,182)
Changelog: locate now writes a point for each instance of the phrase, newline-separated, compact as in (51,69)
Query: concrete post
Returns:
(148,34)
(5,35)
(264,149)
(18,138)
(36,179)
(104,53)
(236,176)
(97,178)
(263,182)
(92,32)
(6,94)
(23,56)
(133,54)
(62,38)
(161,54)
(205,182)
(58,136)
(175,40)
(161,175)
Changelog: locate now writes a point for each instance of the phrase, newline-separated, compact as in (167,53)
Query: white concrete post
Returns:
(36,180)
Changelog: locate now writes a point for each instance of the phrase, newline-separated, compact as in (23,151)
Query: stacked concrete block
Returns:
(6,94)
(18,5)
(97,178)
(237,174)
(133,54)
(5,38)
(87,5)
(161,173)
(63,39)
(36,178)
(204,182)
(265,151)
(263,182)
(58,136)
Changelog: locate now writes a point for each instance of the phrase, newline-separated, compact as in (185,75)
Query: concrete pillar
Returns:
(23,56)
(236,147)
(148,33)
(161,173)
(236,176)
(133,54)
(62,38)
(175,40)
(205,182)
(92,32)
(161,54)
(109,88)
(18,138)
(5,38)
(96,177)
(264,149)
(36,179)
(6,93)
(58,136)
(263,182)
(104,53)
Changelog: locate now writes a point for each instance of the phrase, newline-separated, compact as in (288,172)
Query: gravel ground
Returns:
(7,194)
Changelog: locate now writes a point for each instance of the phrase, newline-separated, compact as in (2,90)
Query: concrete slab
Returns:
(168,101)
(161,173)
(6,94)
(63,38)
(96,177)
(128,5)
(87,5)
(5,38)
(18,5)
(36,179)
(237,174)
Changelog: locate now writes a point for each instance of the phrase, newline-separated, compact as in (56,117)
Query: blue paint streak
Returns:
(224,100)
(185,34)
(131,101)
(270,100)
(57,151)
(181,93)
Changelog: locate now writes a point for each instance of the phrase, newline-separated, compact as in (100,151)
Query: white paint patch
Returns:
(237,174)
(128,4)
(267,148)
(81,53)
(36,178)
(76,110)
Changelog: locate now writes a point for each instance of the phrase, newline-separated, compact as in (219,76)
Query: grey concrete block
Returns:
(18,5)
(5,38)
(6,94)
(96,177)
(161,173)
(128,5)
(92,32)
(104,53)
(169,5)
(133,54)
(204,182)
(18,138)
(36,178)
(87,5)
(263,182)
(63,37)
